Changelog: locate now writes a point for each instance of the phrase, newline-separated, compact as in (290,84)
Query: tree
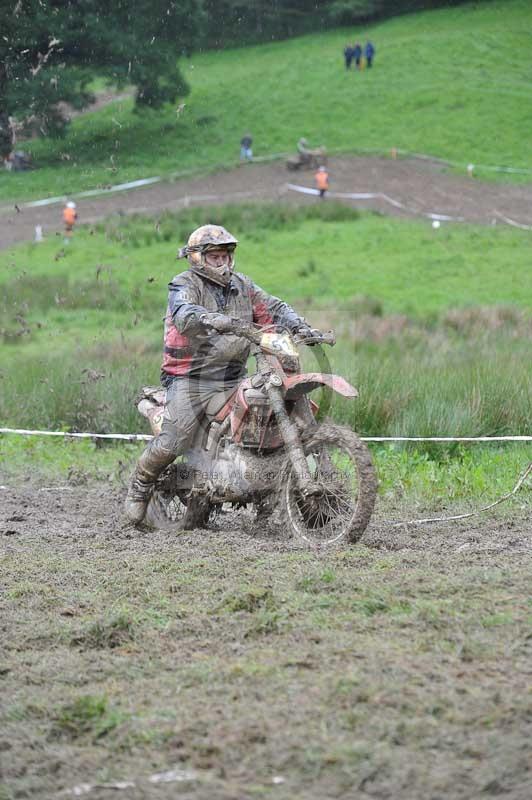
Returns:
(240,22)
(50,50)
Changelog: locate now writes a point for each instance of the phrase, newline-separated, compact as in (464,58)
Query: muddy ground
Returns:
(423,186)
(234,663)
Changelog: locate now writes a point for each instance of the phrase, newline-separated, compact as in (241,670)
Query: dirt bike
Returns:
(265,448)
(312,159)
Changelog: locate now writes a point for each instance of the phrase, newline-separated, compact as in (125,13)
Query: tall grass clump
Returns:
(254,218)
(78,392)
(450,387)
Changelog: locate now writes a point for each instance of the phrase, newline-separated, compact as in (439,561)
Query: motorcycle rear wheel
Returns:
(339,461)
(169,511)
(164,511)
(174,505)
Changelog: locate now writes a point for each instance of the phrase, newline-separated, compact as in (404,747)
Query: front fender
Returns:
(305,382)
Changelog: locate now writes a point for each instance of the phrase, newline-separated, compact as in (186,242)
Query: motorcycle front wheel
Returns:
(340,464)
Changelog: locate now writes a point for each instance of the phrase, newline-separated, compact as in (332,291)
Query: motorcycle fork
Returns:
(290,434)
(289,431)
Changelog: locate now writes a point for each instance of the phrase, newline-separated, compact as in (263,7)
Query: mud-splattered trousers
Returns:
(201,370)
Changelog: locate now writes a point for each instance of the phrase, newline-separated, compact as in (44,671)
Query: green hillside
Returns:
(453,83)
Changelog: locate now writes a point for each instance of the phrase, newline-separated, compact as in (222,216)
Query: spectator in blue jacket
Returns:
(348,56)
(369,52)
(357,54)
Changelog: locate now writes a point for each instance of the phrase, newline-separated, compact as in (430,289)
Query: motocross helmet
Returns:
(203,239)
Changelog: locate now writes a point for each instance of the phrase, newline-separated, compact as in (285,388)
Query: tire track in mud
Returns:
(65,514)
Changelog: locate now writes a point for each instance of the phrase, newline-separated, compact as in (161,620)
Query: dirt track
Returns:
(252,668)
(62,511)
(421,185)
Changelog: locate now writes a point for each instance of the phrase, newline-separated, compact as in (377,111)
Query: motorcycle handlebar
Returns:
(320,338)
(249,331)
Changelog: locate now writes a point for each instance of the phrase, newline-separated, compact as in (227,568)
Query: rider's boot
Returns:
(149,466)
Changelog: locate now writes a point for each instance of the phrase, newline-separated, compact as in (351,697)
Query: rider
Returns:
(302,147)
(202,363)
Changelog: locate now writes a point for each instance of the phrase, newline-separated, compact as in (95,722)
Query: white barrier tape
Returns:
(129,437)
(302,189)
(375,196)
(446,438)
(513,170)
(343,195)
(119,187)
(392,202)
(513,222)
(445,217)
(144,437)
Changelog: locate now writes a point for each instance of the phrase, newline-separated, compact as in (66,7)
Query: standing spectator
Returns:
(369,52)
(70,216)
(348,55)
(246,153)
(322,181)
(357,54)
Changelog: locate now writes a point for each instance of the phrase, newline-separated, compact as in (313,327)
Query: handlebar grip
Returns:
(328,338)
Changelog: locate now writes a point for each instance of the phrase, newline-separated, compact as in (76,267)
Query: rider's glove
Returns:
(306,332)
(220,322)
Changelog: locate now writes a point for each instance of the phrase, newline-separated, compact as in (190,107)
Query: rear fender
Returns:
(151,404)
(305,382)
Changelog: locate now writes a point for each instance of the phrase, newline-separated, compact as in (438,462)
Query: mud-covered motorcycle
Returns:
(265,448)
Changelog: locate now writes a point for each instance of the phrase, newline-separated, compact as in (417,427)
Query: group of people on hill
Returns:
(355,52)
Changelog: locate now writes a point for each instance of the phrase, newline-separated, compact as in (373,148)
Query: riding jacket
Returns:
(190,350)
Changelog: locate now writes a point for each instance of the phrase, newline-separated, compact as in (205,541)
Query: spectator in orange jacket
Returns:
(70,216)
(322,181)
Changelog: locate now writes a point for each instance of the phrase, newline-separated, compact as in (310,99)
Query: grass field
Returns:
(461,74)
(434,334)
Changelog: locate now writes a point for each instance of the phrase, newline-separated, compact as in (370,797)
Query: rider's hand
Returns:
(220,322)
(306,332)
